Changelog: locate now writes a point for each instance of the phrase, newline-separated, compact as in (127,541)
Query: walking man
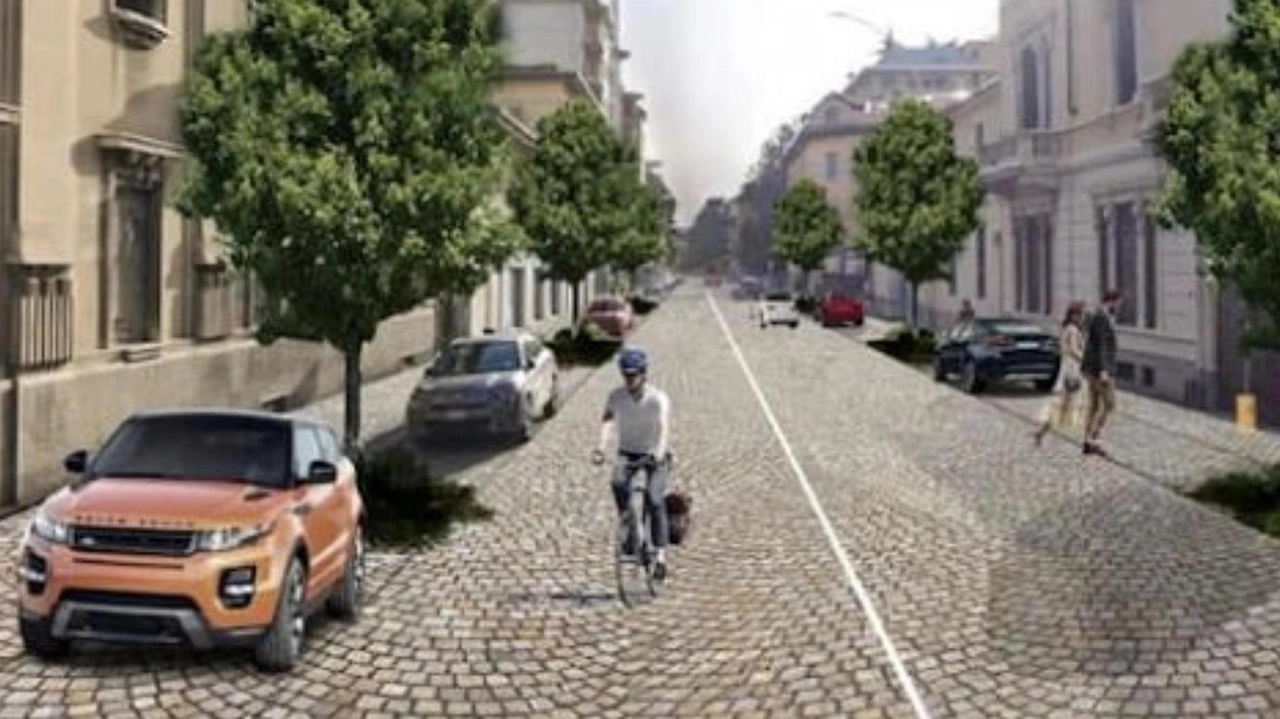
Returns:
(1099,368)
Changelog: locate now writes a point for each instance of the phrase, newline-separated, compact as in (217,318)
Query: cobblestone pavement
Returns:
(1020,583)
(1014,583)
(1171,445)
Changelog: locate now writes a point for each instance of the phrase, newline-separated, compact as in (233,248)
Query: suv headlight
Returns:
(221,540)
(50,529)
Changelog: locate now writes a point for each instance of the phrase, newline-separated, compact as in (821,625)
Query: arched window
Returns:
(1029,70)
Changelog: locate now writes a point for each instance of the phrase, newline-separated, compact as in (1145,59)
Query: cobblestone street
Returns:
(1012,582)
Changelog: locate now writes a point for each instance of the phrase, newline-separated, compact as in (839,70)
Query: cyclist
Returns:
(642,415)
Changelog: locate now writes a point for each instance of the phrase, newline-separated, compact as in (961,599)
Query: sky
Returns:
(720,75)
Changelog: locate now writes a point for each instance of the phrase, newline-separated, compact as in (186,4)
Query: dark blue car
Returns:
(994,350)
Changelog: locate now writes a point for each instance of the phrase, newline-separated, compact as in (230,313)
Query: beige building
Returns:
(113,301)
(1063,141)
(822,151)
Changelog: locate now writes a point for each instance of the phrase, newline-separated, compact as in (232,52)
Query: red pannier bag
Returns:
(678,505)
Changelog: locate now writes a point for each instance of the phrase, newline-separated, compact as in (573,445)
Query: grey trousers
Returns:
(655,495)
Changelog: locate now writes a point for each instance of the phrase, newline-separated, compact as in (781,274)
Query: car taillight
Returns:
(999,341)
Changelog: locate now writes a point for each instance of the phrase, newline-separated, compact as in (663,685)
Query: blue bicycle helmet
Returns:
(633,361)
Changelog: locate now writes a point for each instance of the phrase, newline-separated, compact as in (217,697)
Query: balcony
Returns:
(44,316)
(1029,156)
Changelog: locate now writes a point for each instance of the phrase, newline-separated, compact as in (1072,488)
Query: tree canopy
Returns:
(806,227)
(916,199)
(645,239)
(574,194)
(1219,136)
(345,150)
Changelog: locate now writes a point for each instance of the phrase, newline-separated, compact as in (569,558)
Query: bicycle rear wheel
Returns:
(635,569)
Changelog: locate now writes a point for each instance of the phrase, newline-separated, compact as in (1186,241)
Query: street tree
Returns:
(1218,137)
(916,199)
(571,193)
(806,227)
(345,150)
(643,240)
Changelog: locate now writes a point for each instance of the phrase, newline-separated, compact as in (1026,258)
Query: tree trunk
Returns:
(577,302)
(915,306)
(351,404)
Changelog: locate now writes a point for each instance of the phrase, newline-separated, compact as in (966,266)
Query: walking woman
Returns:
(1061,408)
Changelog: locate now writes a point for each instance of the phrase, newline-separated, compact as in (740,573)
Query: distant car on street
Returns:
(749,288)
(494,385)
(778,308)
(998,349)
(611,315)
(837,309)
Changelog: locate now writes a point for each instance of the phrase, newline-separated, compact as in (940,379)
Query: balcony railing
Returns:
(43,316)
(1028,146)
(215,308)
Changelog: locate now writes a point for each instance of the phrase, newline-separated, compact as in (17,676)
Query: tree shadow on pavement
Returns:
(1122,580)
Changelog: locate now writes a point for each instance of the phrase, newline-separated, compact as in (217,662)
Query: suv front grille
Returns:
(128,599)
(164,542)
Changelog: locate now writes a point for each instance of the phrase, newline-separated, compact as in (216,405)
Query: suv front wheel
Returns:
(280,647)
(344,603)
(39,640)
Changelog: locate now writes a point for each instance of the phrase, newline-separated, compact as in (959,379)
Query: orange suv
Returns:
(204,528)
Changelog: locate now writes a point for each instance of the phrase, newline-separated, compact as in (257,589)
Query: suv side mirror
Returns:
(322,472)
(76,462)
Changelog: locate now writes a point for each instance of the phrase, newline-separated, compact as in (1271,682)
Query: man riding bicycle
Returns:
(642,415)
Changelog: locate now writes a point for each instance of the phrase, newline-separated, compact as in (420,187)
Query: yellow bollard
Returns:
(1247,411)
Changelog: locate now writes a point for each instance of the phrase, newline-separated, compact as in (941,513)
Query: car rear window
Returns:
(199,447)
(779,297)
(1014,328)
(478,358)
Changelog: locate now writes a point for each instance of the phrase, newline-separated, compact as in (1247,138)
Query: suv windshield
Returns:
(198,447)
(478,358)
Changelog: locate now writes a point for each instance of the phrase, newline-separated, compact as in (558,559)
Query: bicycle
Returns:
(642,559)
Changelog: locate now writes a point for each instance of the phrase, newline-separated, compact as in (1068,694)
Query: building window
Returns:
(1148,377)
(137,263)
(1125,371)
(1102,229)
(518,275)
(1033,264)
(980,251)
(1126,261)
(1126,49)
(154,9)
(10,52)
(951,276)
(1030,80)
(1150,272)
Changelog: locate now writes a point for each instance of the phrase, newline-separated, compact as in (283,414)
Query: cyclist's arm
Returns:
(606,429)
(664,430)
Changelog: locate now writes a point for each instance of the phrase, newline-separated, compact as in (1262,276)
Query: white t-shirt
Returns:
(641,423)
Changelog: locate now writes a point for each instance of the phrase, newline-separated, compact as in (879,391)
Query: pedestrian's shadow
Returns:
(1122,580)
(580,598)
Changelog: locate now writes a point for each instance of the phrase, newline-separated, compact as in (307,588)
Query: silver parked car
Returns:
(495,385)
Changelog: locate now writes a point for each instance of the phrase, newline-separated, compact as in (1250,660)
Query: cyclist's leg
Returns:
(621,487)
(656,496)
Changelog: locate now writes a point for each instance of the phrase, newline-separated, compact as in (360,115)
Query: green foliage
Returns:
(407,506)
(587,345)
(574,195)
(917,200)
(1252,498)
(916,346)
(1219,137)
(643,239)
(806,228)
(343,149)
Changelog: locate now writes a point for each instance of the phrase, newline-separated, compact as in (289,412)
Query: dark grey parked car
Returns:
(490,385)
(998,349)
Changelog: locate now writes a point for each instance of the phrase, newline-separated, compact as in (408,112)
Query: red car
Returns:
(612,315)
(837,310)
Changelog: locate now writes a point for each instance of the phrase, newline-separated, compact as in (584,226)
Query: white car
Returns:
(778,308)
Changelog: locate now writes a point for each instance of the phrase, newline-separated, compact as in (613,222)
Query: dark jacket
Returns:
(1099,345)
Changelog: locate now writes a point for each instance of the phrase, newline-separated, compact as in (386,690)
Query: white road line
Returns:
(864,600)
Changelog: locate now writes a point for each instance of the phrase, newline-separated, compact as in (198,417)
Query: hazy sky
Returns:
(719,75)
